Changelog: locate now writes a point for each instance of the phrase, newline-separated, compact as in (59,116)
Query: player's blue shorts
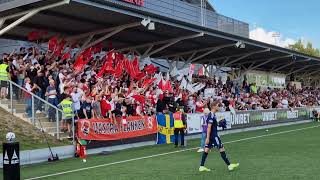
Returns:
(215,142)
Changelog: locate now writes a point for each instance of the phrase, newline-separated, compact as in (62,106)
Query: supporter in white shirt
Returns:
(76,97)
(285,103)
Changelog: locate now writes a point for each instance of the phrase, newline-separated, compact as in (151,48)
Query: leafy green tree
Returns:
(308,49)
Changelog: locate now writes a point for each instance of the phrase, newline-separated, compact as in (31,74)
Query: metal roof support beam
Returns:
(226,60)
(147,51)
(162,48)
(174,42)
(309,74)
(211,51)
(49,6)
(161,42)
(18,21)
(197,51)
(83,35)
(247,55)
(189,60)
(300,69)
(2,22)
(84,45)
(220,58)
(116,31)
(26,15)
(268,61)
(274,69)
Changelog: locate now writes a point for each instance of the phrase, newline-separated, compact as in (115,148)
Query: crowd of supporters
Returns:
(55,79)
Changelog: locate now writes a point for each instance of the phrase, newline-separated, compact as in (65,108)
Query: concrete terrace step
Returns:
(46,124)
(17,106)
(63,135)
(51,130)
(7,101)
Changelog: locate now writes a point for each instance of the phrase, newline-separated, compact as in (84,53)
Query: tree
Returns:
(308,49)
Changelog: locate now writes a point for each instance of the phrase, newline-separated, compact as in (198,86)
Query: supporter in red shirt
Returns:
(199,106)
(105,107)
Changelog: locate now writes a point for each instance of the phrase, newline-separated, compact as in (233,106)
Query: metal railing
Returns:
(21,101)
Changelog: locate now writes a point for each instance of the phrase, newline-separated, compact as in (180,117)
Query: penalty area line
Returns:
(163,154)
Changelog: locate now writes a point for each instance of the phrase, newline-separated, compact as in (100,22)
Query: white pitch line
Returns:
(162,154)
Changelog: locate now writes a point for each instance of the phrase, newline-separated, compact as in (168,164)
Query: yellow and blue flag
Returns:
(165,128)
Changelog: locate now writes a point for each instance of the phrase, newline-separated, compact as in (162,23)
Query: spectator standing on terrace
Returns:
(67,119)
(51,93)
(253,88)
(4,76)
(76,97)
(28,98)
(160,104)
(39,81)
(88,109)
(285,103)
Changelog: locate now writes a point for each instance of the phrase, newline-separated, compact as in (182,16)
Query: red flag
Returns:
(161,86)
(131,70)
(200,71)
(135,64)
(118,69)
(138,76)
(168,86)
(66,56)
(87,53)
(139,98)
(108,65)
(79,63)
(109,69)
(98,48)
(60,47)
(33,35)
(150,69)
(52,43)
(148,82)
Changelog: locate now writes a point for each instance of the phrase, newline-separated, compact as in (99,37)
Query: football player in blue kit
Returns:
(213,140)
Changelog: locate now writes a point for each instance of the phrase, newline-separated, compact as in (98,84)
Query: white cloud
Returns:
(263,35)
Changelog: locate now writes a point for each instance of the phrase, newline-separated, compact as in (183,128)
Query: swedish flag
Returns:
(165,128)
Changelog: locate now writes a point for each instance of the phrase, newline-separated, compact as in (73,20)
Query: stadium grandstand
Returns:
(100,74)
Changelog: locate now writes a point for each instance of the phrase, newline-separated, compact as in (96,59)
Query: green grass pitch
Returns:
(283,153)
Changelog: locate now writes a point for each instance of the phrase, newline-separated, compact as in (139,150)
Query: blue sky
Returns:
(294,19)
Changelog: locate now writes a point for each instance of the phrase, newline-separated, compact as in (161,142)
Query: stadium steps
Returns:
(19,107)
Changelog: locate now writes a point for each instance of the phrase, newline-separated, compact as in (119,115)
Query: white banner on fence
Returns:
(195,125)
(226,116)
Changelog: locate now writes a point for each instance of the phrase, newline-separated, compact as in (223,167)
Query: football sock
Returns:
(203,159)
(224,157)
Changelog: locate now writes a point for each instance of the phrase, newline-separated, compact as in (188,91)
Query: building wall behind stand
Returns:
(189,13)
